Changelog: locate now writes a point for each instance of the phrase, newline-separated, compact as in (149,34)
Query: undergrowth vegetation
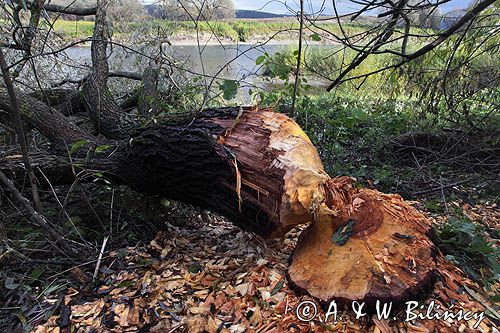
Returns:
(427,130)
(468,245)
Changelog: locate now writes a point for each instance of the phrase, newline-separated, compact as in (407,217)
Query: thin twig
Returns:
(20,131)
(299,56)
(100,257)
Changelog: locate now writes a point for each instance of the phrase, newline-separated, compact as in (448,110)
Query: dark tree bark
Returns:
(53,124)
(100,104)
(148,97)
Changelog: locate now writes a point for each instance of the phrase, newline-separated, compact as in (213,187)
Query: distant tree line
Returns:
(193,9)
(167,9)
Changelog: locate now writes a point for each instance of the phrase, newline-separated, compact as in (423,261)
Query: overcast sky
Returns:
(343,6)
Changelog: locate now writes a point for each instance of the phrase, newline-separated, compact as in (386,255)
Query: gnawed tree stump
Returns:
(374,246)
(260,169)
(362,245)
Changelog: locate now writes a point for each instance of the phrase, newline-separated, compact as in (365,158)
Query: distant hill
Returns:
(156,11)
(450,18)
(255,14)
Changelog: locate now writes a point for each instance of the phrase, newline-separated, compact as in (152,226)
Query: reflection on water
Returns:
(210,59)
(234,61)
(240,59)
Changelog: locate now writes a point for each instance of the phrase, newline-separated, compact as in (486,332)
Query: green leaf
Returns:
(260,59)
(52,289)
(315,37)
(277,287)
(37,272)
(78,144)
(229,89)
(249,314)
(342,234)
(102,148)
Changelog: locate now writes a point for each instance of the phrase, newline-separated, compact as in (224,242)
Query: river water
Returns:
(234,61)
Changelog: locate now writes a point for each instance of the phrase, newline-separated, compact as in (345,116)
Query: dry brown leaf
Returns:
(121,312)
(170,285)
(256,318)
(243,288)
(85,314)
(213,325)
(199,310)
(196,324)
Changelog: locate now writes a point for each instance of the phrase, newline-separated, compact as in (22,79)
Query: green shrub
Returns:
(464,243)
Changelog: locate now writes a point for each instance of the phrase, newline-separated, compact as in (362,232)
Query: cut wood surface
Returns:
(387,255)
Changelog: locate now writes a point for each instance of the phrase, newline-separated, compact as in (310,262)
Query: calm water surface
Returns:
(235,62)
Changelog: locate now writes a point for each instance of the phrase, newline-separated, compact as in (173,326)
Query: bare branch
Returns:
(383,39)
(299,55)
(479,7)
(71,9)
(19,129)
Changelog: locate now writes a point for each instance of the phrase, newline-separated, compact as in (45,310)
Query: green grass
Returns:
(74,29)
(236,30)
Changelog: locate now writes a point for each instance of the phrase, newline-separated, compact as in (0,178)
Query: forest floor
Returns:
(208,275)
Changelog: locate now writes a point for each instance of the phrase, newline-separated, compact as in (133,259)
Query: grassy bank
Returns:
(233,30)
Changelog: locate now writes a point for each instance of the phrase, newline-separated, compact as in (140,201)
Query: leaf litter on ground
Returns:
(217,278)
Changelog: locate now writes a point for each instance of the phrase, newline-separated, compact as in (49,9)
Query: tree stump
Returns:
(364,246)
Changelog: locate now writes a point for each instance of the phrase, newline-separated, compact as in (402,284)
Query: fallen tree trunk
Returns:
(259,169)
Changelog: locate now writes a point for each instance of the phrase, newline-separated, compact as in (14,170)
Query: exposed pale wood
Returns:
(279,167)
(388,257)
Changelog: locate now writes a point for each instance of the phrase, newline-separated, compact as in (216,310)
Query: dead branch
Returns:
(19,129)
(38,218)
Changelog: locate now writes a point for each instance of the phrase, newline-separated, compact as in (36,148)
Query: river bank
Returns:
(207,32)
